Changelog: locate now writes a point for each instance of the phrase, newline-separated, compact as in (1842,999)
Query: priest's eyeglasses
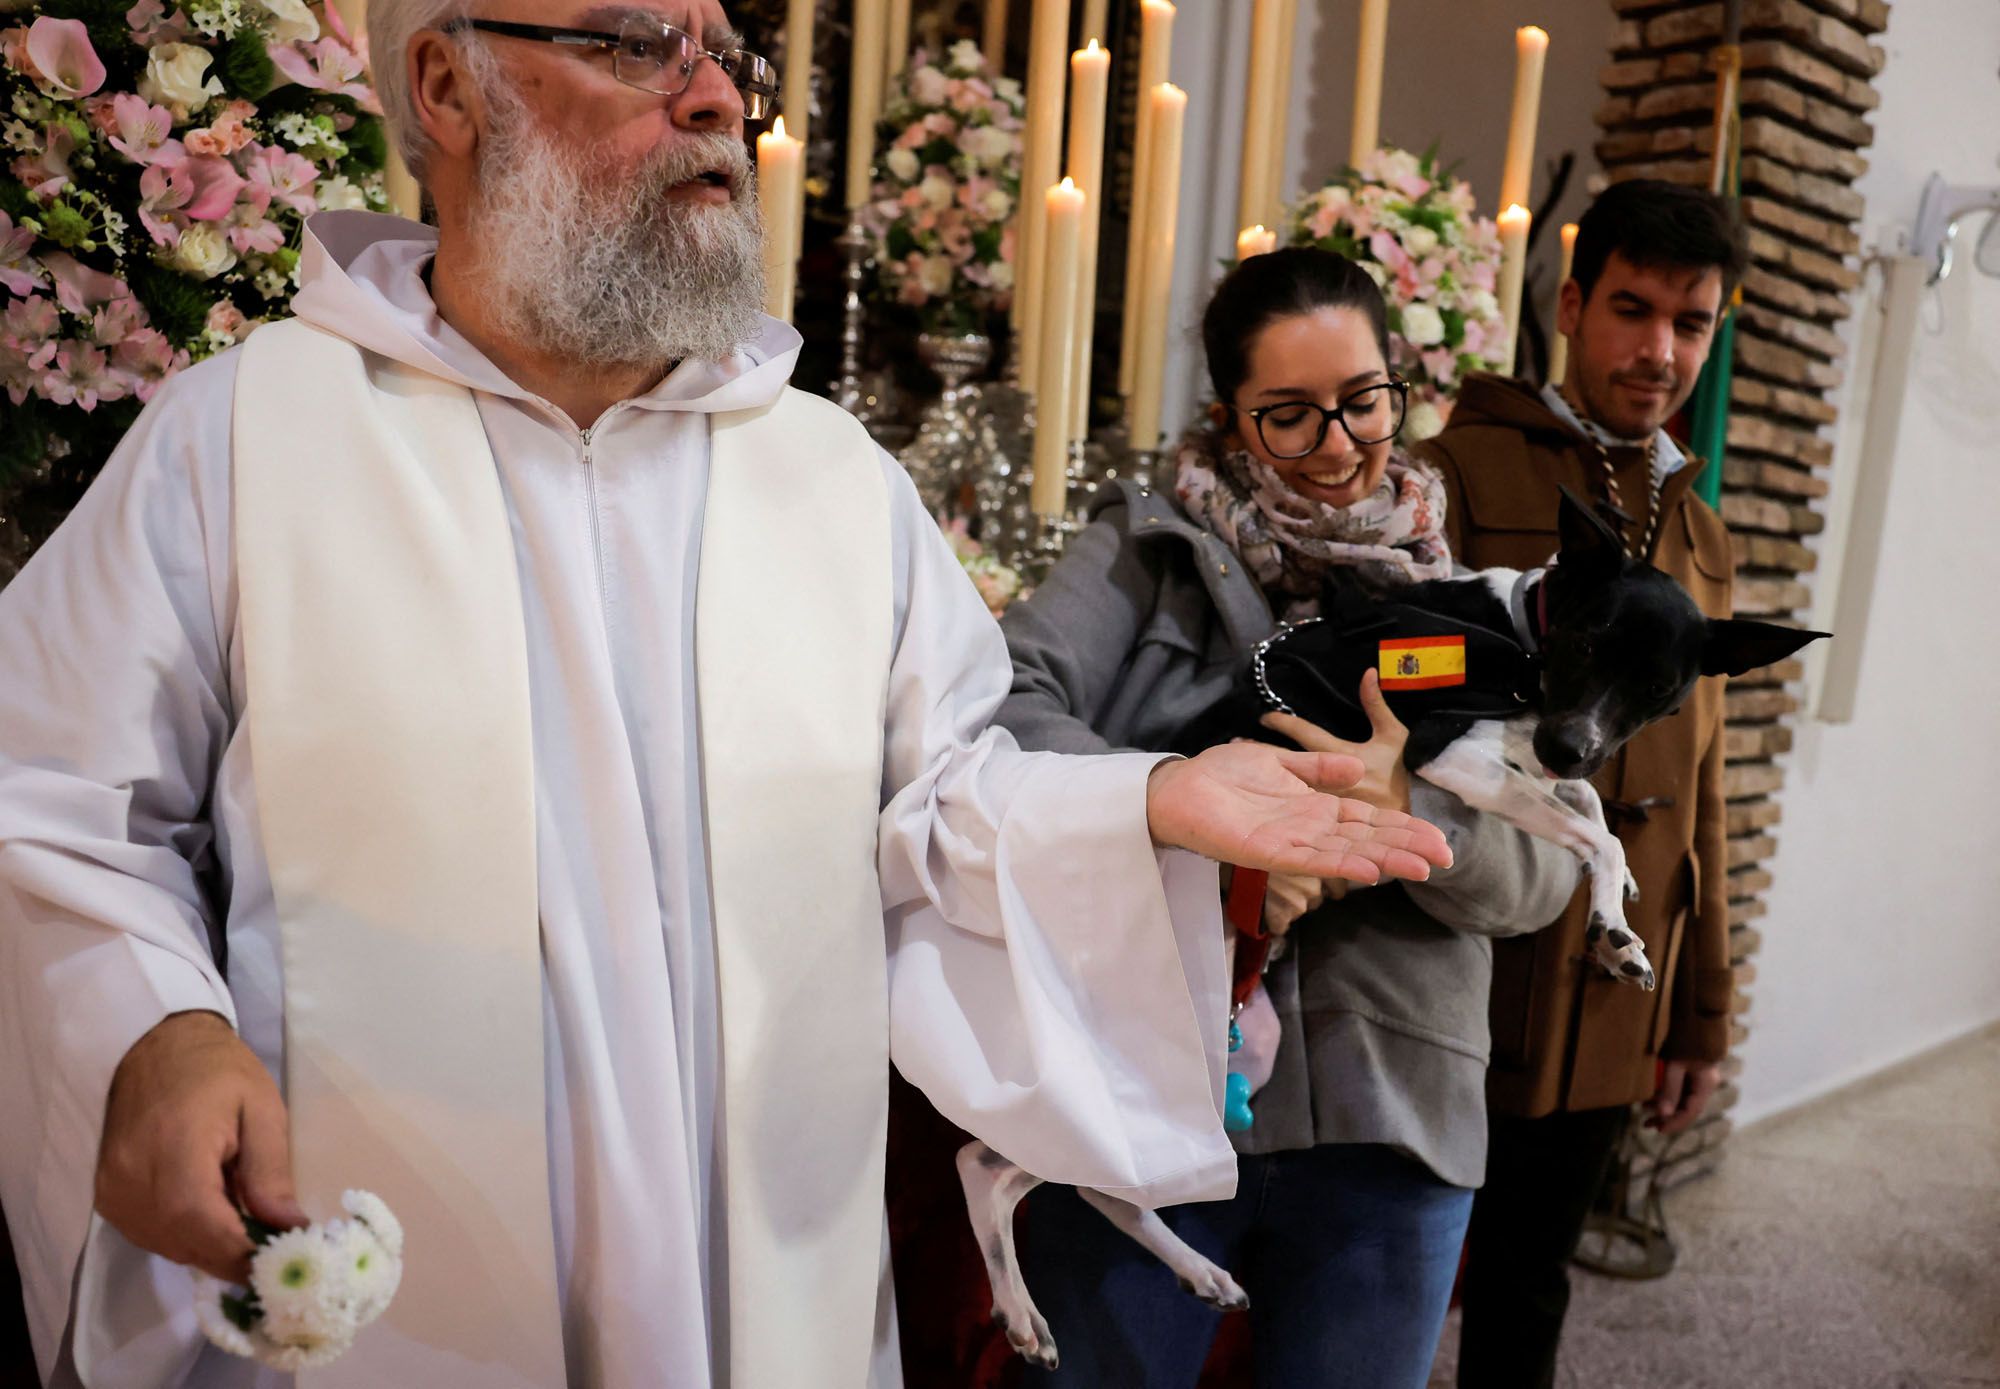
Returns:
(1294,428)
(649,54)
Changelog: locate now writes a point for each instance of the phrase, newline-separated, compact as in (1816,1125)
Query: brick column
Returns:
(1806,92)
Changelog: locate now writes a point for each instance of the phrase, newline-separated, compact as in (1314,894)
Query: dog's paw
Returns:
(1029,1337)
(1619,951)
(1631,887)
(1214,1286)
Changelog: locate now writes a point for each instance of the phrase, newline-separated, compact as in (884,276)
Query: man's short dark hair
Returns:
(1657,225)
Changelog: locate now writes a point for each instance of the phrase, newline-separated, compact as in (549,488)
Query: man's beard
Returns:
(604,270)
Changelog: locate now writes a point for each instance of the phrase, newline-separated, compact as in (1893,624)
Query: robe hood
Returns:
(362,277)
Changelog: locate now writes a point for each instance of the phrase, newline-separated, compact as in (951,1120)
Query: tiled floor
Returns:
(1852,1244)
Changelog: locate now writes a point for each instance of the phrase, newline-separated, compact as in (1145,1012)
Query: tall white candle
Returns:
(1513,269)
(1156,38)
(1559,349)
(1169,112)
(898,43)
(1255,241)
(1252,201)
(1368,50)
(993,36)
(1089,88)
(864,97)
(781,192)
(1275,191)
(1531,48)
(1048,488)
(1041,161)
(798,66)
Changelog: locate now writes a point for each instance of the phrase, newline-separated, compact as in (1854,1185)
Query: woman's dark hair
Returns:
(1657,225)
(1298,279)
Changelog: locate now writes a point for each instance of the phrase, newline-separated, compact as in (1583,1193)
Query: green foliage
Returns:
(367,147)
(245,66)
(177,305)
(64,225)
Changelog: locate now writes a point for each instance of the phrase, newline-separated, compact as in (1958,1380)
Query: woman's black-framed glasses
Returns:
(651,55)
(1294,428)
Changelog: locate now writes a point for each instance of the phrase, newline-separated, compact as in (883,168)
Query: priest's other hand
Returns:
(1265,807)
(195,1128)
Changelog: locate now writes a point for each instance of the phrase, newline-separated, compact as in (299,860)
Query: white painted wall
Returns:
(1883,937)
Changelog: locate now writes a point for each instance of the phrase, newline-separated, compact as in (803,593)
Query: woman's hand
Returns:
(1264,807)
(1385,784)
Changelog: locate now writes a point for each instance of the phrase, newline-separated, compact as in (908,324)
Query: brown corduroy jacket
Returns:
(1565,1035)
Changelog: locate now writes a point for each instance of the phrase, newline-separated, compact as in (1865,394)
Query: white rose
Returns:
(1423,325)
(903,163)
(1479,303)
(203,252)
(965,56)
(929,86)
(337,193)
(291,21)
(1420,242)
(937,192)
(936,275)
(1001,274)
(173,77)
(988,144)
(1425,420)
(996,204)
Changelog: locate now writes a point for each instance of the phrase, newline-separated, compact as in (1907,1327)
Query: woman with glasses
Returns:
(1356,1173)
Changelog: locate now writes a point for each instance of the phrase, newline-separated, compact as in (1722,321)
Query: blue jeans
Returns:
(1348,1252)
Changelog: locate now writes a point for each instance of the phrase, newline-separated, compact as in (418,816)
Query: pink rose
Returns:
(64,63)
(225,317)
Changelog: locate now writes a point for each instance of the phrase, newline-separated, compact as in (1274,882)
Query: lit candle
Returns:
(898,45)
(1513,266)
(1259,120)
(1531,48)
(1281,107)
(781,162)
(1559,350)
(1368,79)
(798,65)
(1041,163)
(1255,241)
(1169,114)
(993,41)
(1089,88)
(1048,487)
(864,97)
(1156,38)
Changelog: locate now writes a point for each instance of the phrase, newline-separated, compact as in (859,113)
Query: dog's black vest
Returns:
(1315,667)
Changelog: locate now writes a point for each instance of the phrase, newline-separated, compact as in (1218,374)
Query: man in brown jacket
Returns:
(1574,1049)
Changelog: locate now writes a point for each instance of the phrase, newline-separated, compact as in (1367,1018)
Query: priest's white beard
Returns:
(608,270)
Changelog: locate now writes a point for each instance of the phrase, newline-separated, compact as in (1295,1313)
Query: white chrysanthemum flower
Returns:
(214,1322)
(302,1348)
(1425,420)
(966,57)
(903,163)
(296,1278)
(369,1271)
(1423,325)
(372,1211)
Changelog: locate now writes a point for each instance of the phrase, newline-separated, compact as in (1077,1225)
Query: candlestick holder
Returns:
(849,390)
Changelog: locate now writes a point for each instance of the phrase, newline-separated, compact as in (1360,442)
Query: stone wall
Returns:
(1805,98)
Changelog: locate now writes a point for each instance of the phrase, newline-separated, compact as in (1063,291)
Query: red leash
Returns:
(1245,911)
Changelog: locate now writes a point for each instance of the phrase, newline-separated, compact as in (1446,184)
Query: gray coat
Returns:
(1382,996)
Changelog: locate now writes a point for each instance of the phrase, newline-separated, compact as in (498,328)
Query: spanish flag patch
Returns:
(1421,663)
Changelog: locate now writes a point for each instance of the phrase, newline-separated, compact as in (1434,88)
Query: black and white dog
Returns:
(1516,688)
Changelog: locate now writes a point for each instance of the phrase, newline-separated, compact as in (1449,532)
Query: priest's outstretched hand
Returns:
(1259,806)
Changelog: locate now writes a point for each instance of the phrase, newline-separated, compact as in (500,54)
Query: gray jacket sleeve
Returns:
(1072,637)
(1502,882)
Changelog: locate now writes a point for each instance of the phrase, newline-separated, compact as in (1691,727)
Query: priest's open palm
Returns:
(1265,807)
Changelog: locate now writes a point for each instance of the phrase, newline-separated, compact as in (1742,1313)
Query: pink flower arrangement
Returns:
(998,584)
(1413,227)
(946,185)
(157,179)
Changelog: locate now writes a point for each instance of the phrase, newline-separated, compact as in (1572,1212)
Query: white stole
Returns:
(391,744)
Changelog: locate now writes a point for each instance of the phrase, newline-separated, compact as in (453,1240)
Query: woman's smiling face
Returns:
(1319,358)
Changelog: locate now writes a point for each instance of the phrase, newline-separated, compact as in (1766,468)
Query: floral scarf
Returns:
(1290,543)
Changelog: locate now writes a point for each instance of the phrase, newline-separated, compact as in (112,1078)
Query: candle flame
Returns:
(778,127)
(1068,184)
(1092,47)
(1532,33)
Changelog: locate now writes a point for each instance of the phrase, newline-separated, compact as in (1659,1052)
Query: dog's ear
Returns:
(1735,645)
(1586,537)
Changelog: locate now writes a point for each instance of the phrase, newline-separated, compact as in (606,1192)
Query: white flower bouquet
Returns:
(158,167)
(946,185)
(998,584)
(1412,227)
(310,1290)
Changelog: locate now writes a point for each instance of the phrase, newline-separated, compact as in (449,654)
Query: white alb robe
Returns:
(132,884)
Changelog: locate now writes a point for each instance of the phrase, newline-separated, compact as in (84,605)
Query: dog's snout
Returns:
(1570,749)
